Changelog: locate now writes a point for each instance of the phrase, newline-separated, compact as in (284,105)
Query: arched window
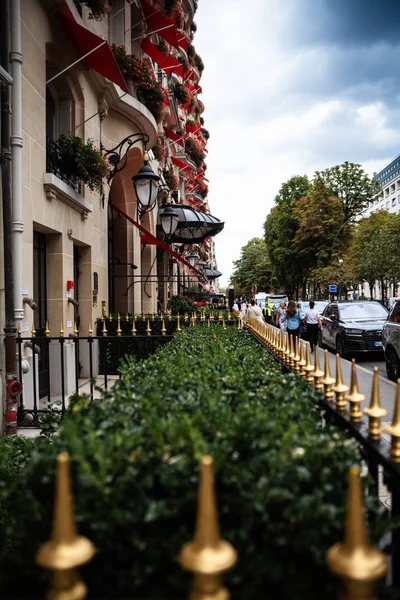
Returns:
(60,106)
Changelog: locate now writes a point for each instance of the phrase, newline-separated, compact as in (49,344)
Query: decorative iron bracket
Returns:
(118,156)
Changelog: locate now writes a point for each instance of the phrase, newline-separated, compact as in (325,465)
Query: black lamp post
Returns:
(145,182)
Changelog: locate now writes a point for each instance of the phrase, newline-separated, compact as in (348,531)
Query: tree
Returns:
(280,228)
(354,188)
(252,268)
(319,216)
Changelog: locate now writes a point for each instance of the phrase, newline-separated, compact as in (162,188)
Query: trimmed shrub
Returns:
(281,477)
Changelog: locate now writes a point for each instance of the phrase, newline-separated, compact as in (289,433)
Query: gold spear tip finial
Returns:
(66,549)
(339,386)
(354,558)
(375,409)
(207,554)
(394,428)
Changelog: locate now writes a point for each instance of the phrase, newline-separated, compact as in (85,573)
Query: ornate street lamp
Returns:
(192,258)
(169,218)
(145,182)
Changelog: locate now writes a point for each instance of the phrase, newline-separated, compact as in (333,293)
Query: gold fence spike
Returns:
(291,352)
(185,316)
(110,317)
(296,357)
(76,331)
(119,330)
(90,330)
(170,316)
(207,556)
(47,330)
(163,330)
(209,322)
(33,330)
(229,316)
(302,362)
(66,550)
(61,330)
(317,373)
(152,316)
(340,388)
(19,330)
(394,428)
(126,317)
(357,564)
(178,323)
(308,367)
(133,330)
(375,411)
(220,317)
(327,380)
(104,331)
(223,324)
(148,330)
(354,397)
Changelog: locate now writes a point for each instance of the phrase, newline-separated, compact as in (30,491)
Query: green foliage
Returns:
(179,304)
(181,93)
(280,476)
(198,63)
(171,179)
(252,268)
(76,158)
(195,151)
(354,188)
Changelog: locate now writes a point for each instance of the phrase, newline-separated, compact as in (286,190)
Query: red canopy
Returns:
(163,25)
(192,128)
(180,164)
(174,136)
(165,61)
(101,59)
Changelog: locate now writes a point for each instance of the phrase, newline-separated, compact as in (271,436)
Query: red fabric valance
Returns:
(168,63)
(192,128)
(163,25)
(101,58)
(180,164)
(155,241)
(175,137)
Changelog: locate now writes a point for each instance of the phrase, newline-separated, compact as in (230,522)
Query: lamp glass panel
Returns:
(143,189)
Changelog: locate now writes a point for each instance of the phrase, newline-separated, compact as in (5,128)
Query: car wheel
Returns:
(340,347)
(392,364)
(320,342)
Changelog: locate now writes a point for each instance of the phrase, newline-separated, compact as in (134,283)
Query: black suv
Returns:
(353,327)
(391,342)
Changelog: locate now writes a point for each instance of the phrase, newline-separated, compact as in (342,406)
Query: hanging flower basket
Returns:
(170,179)
(194,151)
(181,93)
(75,158)
(158,150)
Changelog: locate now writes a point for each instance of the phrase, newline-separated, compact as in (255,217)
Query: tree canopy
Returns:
(252,268)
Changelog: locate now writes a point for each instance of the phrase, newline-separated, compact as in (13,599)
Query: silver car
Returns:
(391,342)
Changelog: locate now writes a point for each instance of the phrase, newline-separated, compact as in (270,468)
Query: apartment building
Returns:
(389,199)
(103,90)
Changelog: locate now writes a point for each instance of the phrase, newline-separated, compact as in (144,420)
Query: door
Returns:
(40,314)
(77,258)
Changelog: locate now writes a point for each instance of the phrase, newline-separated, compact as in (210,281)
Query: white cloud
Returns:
(276,109)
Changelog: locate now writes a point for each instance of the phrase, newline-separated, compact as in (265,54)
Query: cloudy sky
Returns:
(290,88)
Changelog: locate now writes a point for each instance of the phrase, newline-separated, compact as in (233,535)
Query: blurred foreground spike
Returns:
(66,550)
(178,323)
(207,556)
(308,367)
(119,330)
(104,330)
(375,411)
(47,330)
(317,373)
(394,428)
(354,397)
(354,561)
(148,330)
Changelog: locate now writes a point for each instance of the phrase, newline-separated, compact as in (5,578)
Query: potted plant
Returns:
(98,9)
(169,7)
(170,179)
(181,93)
(75,158)
(199,63)
(194,151)
(158,150)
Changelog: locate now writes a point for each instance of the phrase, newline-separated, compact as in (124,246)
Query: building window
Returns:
(387,204)
(387,192)
(116,23)
(392,189)
(393,201)
(59,105)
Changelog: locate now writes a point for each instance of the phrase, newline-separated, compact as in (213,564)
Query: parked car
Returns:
(349,327)
(391,342)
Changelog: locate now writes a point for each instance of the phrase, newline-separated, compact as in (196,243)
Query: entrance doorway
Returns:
(40,314)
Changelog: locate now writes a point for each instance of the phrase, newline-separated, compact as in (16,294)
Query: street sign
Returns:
(254,289)
(332,289)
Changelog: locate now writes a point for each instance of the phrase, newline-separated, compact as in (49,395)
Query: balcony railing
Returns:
(53,160)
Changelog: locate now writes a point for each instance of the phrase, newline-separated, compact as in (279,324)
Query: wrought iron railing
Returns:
(54,165)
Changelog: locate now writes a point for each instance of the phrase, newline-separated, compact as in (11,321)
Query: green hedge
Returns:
(281,477)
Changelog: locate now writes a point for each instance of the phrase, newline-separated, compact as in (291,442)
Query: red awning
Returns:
(168,63)
(180,164)
(182,40)
(175,137)
(155,241)
(101,59)
(163,25)
(192,128)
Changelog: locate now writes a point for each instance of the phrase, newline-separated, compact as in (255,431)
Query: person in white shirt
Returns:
(254,311)
(313,323)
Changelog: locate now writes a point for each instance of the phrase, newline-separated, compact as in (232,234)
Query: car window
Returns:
(334,311)
(319,306)
(328,311)
(394,316)
(365,310)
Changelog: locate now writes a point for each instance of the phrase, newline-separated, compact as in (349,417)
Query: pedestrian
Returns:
(313,323)
(293,317)
(267,313)
(279,313)
(243,310)
(255,311)
(236,306)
